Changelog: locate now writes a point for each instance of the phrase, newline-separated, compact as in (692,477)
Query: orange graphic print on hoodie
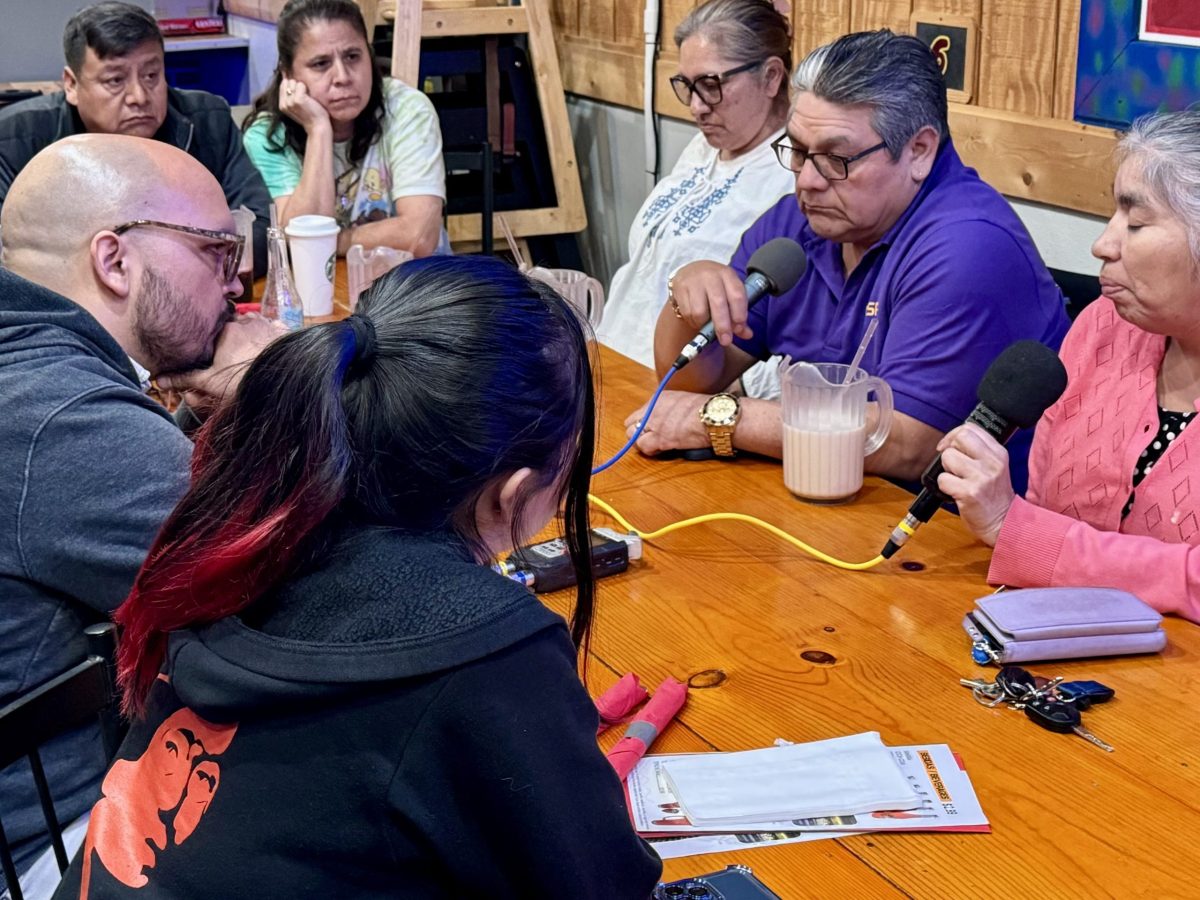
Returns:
(176,774)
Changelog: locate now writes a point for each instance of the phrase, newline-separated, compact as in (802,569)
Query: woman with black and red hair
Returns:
(333,694)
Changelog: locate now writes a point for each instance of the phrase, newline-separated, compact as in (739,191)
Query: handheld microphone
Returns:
(774,268)
(1017,388)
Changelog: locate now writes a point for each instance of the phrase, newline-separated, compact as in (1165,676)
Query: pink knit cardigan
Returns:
(1068,530)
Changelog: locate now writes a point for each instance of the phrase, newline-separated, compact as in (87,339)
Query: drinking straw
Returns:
(852,372)
(512,244)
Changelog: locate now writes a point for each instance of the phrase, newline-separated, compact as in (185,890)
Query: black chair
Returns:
(77,697)
(477,159)
(9,96)
(1078,289)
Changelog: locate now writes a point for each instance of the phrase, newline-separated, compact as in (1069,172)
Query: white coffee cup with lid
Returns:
(312,244)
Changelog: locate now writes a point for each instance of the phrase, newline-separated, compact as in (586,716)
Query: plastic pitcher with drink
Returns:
(825,437)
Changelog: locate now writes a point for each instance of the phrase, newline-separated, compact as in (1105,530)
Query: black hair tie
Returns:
(364,340)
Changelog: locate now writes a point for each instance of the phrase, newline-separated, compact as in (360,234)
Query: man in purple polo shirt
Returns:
(895,228)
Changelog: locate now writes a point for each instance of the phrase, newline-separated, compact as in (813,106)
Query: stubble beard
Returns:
(172,332)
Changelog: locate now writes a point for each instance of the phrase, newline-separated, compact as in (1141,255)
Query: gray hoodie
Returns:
(90,468)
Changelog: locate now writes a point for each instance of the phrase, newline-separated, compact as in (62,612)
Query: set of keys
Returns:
(1051,703)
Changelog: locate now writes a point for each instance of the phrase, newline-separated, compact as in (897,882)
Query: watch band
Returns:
(721,438)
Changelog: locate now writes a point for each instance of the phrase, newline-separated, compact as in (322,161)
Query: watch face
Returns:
(721,409)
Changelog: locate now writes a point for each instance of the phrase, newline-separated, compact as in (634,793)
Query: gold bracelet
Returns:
(671,297)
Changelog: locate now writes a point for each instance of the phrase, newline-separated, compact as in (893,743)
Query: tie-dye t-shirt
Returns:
(405,162)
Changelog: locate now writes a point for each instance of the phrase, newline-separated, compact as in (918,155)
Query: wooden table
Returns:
(800,650)
(797,649)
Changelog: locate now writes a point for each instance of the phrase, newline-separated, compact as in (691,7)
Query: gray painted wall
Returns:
(263,51)
(31,37)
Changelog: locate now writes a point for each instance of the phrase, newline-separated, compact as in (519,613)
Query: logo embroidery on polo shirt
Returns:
(872,309)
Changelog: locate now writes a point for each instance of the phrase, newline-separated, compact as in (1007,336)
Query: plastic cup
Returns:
(312,244)
(364,266)
(244,218)
(579,289)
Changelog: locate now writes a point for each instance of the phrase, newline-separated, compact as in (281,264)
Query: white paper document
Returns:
(841,776)
(700,844)
(935,773)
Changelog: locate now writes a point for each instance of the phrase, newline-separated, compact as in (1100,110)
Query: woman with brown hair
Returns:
(332,137)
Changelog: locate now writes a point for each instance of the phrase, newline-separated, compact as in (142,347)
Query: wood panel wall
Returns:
(1017,130)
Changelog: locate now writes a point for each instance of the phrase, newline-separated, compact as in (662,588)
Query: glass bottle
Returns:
(280,300)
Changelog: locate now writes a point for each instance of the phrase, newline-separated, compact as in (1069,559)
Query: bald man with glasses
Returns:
(896,229)
(134,278)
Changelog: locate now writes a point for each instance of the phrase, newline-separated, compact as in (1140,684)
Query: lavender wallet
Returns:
(1061,623)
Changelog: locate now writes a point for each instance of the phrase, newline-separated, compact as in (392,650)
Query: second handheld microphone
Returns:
(774,268)
(1020,384)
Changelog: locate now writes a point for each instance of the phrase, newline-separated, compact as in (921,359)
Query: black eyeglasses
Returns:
(707,86)
(829,166)
(232,245)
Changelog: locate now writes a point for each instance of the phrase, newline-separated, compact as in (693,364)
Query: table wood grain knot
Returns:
(819,657)
(709,678)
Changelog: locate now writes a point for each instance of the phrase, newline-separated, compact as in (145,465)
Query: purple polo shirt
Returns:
(953,282)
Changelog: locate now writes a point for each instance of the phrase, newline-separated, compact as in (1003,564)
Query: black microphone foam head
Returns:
(781,261)
(1022,382)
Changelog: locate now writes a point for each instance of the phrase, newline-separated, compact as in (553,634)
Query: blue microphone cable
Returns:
(774,268)
(641,425)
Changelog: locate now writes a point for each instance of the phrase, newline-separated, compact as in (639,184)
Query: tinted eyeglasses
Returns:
(231,245)
(829,166)
(707,86)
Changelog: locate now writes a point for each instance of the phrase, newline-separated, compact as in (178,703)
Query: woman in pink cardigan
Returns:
(1110,499)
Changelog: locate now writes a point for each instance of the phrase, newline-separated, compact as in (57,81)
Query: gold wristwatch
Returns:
(720,416)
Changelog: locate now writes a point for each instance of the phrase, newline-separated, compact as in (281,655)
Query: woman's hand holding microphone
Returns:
(976,477)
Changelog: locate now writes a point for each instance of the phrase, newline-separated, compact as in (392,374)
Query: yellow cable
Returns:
(733,517)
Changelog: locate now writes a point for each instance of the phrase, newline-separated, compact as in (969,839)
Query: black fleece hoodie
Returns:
(402,722)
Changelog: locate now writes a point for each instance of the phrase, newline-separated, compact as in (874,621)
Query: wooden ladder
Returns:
(417,19)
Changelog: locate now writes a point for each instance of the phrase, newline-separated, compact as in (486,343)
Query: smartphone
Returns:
(731,883)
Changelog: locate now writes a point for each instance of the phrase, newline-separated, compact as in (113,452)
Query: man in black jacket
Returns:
(113,83)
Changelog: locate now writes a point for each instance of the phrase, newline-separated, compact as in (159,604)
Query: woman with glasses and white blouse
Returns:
(734,61)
